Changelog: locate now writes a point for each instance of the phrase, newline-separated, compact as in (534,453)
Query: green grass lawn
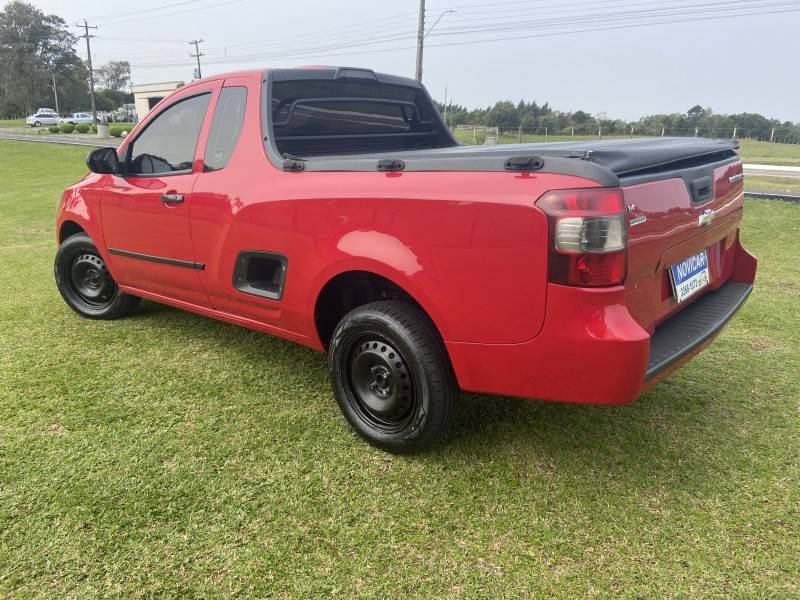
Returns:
(12,122)
(171,455)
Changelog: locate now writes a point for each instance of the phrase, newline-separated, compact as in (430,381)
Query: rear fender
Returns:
(397,263)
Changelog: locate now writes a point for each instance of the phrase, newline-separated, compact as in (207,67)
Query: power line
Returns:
(616,26)
(595,20)
(144,10)
(180,12)
(326,40)
(650,14)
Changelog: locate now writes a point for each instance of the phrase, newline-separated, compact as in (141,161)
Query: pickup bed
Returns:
(334,208)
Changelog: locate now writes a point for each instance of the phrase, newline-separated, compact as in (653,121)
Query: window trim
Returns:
(130,145)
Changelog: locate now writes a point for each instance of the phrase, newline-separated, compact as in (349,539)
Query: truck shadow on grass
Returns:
(687,427)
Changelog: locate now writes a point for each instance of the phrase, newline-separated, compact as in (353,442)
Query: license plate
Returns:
(689,276)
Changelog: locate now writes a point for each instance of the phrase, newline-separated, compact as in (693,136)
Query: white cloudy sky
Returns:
(745,63)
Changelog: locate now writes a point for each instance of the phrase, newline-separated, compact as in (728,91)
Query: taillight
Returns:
(587,236)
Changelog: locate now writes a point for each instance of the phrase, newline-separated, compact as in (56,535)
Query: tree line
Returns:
(38,52)
(532,118)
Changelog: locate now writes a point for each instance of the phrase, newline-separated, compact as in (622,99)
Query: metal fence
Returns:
(481,134)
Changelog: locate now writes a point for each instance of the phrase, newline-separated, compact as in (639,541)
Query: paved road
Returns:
(772,171)
(61,138)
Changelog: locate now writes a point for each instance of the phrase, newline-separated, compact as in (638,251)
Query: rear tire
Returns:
(391,376)
(37,124)
(85,283)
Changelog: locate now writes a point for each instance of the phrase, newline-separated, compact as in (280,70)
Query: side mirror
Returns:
(103,161)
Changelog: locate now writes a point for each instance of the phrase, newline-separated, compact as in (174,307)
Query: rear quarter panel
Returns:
(469,247)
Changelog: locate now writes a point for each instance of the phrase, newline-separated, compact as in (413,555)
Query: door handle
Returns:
(172,198)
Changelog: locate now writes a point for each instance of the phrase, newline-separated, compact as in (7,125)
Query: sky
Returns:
(574,54)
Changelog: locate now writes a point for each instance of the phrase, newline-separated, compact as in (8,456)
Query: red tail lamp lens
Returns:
(588,241)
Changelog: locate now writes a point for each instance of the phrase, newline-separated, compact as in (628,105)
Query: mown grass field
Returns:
(12,122)
(169,455)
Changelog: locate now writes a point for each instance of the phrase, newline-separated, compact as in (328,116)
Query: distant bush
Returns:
(53,129)
(67,128)
(94,128)
(117,131)
(82,128)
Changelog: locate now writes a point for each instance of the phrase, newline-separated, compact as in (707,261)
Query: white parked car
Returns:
(77,118)
(40,118)
(45,110)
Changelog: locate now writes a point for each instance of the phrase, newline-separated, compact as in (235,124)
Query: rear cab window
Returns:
(226,126)
(326,114)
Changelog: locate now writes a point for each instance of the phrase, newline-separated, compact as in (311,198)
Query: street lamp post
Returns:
(422,34)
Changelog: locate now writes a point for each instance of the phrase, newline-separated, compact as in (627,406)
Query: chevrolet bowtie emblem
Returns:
(706,218)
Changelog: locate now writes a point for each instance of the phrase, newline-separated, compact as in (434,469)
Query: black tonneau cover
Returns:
(621,157)
(603,161)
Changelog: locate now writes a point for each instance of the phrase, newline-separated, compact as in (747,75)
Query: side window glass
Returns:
(225,127)
(169,142)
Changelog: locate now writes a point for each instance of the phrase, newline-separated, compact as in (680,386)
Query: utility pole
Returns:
(445,104)
(197,54)
(87,37)
(420,39)
(55,92)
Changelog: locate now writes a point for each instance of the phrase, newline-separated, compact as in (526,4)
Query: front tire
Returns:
(391,376)
(86,284)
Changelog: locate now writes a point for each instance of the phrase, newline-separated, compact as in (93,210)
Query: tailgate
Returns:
(674,216)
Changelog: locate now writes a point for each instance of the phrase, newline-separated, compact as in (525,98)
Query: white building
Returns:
(147,95)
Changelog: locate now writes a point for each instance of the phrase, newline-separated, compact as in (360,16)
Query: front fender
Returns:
(80,204)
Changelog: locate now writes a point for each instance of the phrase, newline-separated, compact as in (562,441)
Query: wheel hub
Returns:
(381,382)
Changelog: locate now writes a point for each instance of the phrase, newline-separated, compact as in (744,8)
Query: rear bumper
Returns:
(591,351)
(697,324)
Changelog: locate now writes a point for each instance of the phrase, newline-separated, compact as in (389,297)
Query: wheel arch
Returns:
(69,228)
(350,288)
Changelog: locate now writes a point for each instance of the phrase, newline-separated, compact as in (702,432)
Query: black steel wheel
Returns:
(384,390)
(391,376)
(91,282)
(85,282)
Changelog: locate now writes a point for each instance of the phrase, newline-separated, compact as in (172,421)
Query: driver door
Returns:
(146,209)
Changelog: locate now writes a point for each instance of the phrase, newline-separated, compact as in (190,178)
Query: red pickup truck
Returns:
(334,208)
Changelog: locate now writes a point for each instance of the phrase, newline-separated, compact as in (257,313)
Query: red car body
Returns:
(470,248)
